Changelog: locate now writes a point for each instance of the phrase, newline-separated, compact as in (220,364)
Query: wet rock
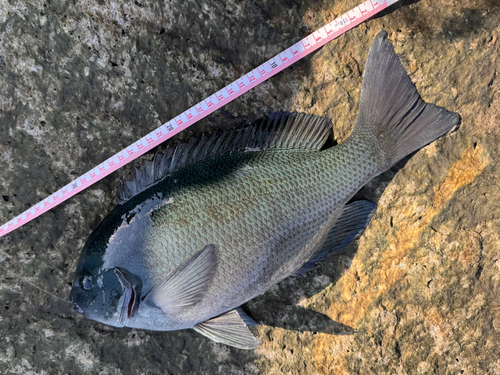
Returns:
(417,294)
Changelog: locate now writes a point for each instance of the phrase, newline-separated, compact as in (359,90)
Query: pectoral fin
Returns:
(229,329)
(185,286)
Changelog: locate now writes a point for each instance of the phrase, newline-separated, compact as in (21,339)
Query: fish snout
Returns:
(75,304)
(77,308)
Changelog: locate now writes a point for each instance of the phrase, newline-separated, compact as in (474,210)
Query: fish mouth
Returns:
(77,308)
(75,305)
(131,296)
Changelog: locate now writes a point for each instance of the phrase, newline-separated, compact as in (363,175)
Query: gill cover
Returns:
(132,287)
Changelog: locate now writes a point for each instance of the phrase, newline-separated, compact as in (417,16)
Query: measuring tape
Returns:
(265,71)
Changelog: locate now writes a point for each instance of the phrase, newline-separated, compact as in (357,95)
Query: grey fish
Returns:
(213,223)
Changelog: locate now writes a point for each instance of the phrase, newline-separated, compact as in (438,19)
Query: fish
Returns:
(211,224)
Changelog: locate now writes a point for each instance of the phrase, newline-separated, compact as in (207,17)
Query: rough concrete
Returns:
(417,294)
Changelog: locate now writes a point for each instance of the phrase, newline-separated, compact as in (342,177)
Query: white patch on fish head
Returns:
(131,236)
(159,205)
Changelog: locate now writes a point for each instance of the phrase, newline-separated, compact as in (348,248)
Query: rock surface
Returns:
(417,294)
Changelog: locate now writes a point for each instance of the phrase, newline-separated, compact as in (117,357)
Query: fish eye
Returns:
(114,293)
(87,283)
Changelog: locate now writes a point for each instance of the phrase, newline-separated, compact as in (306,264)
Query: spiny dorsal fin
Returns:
(282,131)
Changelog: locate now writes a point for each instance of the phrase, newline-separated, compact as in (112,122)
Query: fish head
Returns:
(109,296)
(103,288)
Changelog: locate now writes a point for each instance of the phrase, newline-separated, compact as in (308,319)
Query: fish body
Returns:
(212,224)
(266,212)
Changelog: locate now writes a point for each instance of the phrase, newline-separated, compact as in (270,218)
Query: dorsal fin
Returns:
(281,131)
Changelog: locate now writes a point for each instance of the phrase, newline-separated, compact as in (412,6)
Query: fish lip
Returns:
(77,308)
(75,305)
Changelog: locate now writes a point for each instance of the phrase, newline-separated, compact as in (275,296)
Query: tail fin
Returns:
(391,108)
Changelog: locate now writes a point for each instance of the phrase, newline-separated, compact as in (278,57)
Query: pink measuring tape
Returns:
(281,61)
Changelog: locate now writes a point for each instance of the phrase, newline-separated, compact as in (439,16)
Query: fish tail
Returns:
(392,117)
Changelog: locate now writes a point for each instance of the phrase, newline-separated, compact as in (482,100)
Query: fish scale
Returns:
(334,160)
(217,222)
(191,206)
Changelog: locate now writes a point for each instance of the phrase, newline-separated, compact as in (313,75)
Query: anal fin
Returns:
(351,224)
(229,329)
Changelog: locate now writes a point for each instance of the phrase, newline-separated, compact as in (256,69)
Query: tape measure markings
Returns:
(202,109)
